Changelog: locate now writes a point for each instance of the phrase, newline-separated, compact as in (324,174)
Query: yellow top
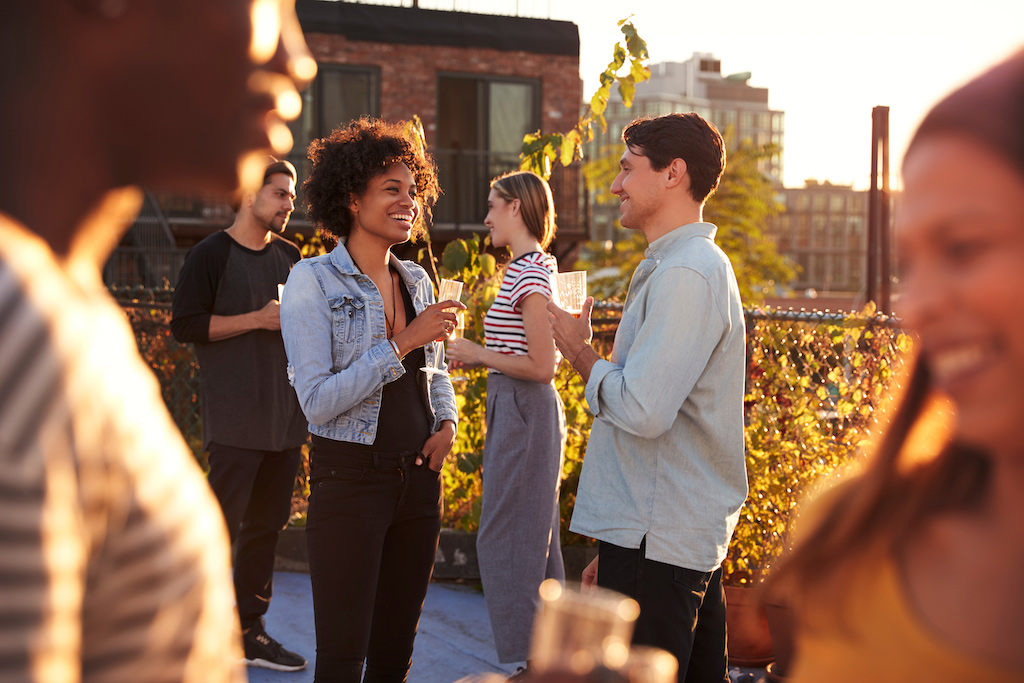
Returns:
(878,638)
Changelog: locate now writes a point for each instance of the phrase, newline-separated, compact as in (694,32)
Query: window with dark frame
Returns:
(339,94)
(481,121)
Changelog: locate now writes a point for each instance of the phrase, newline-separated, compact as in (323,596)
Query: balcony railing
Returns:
(465,177)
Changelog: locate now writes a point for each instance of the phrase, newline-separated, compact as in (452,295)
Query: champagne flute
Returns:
(448,290)
(571,291)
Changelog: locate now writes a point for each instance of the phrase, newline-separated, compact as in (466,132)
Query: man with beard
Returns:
(226,304)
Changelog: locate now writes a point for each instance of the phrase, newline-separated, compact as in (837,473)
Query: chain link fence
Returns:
(814,383)
(174,364)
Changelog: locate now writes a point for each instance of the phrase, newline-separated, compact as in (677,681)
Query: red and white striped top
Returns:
(503,325)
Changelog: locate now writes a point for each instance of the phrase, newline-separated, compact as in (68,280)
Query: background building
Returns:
(478,82)
(824,231)
(739,110)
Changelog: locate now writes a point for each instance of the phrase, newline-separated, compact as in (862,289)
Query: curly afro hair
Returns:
(345,161)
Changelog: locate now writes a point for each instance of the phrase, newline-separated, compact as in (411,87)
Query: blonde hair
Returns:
(536,204)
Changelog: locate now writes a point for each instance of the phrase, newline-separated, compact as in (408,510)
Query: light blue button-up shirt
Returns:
(665,455)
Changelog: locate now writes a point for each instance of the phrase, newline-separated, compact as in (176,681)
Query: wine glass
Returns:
(449,290)
(571,291)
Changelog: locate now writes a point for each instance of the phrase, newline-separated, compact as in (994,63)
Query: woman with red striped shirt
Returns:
(518,544)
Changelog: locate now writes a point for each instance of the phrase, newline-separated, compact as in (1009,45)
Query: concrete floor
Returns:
(454,639)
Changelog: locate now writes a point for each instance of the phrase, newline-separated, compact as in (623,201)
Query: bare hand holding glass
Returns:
(450,290)
(571,291)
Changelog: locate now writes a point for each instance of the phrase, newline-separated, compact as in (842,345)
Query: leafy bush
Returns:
(814,384)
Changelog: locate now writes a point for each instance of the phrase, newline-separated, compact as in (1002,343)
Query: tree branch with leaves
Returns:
(541,151)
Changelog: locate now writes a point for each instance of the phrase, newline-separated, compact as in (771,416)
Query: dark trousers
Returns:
(681,610)
(372,533)
(254,489)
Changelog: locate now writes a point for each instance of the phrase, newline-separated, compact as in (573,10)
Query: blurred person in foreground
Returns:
(664,477)
(225,303)
(914,570)
(113,562)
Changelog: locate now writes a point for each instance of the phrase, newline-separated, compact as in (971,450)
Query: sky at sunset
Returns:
(826,63)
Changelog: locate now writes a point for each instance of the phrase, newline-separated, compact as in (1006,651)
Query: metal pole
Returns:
(872,269)
(884,239)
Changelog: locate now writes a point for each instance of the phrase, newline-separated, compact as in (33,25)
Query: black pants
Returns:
(254,489)
(681,610)
(372,532)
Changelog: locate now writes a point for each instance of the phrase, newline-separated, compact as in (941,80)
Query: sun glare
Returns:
(266,30)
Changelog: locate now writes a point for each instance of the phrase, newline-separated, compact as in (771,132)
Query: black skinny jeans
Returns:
(372,533)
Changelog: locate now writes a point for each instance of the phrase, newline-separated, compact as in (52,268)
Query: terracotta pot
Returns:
(748,639)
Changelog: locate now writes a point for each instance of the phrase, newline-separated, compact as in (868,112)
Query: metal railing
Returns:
(465,176)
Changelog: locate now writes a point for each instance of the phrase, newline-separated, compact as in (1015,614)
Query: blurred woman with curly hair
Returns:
(357,324)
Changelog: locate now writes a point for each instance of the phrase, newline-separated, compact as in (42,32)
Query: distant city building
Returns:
(824,231)
(739,110)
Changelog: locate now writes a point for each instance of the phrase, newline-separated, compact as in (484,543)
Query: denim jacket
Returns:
(339,358)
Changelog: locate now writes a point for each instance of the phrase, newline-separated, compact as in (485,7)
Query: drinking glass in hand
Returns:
(578,633)
(571,291)
(449,290)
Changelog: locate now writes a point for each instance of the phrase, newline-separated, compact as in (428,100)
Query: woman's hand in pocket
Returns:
(438,446)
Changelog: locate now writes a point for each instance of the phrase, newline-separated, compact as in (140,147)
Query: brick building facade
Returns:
(477,82)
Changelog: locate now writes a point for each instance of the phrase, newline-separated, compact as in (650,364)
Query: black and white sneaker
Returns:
(263,651)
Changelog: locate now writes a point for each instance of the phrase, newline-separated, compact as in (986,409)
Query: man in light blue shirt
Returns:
(664,478)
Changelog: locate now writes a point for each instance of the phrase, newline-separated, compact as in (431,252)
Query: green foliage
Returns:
(466,260)
(541,151)
(741,208)
(313,246)
(813,388)
(173,364)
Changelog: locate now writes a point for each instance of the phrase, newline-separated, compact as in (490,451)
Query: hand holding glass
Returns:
(571,291)
(449,290)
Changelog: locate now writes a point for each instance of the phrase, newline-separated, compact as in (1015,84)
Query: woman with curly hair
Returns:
(357,324)
(914,570)
(518,544)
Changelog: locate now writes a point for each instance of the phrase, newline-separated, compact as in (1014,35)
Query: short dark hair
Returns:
(346,160)
(275,165)
(689,137)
